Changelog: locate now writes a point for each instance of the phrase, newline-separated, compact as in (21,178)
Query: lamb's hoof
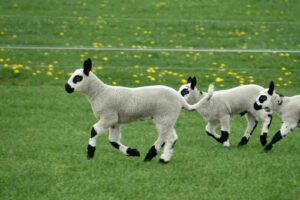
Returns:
(226,144)
(268,147)
(90,152)
(133,152)
(162,161)
(243,141)
(224,137)
(263,139)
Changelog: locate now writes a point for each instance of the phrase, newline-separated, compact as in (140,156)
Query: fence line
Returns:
(294,51)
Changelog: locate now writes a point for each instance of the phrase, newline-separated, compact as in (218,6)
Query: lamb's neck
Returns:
(200,95)
(95,88)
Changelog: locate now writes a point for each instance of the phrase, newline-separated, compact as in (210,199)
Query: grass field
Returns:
(44,131)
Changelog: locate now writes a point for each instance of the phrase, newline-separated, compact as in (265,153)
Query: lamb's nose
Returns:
(68,88)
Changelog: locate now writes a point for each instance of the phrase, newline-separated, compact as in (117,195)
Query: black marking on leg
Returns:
(162,145)
(243,113)
(254,127)
(93,133)
(211,135)
(151,154)
(275,139)
(173,145)
(114,144)
(224,136)
(270,122)
(90,151)
(162,161)
(243,141)
(263,139)
(132,152)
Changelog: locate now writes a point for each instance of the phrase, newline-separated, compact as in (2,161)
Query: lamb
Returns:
(288,109)
(114,105)
(218,107)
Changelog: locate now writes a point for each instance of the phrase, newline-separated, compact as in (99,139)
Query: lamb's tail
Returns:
(210,91)
(195,106)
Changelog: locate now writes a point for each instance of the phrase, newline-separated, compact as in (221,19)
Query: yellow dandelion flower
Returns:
(280,79)
(1,59)
(219,79)
(16,71)
(14,36)
(56,78)
(33,74)
(105,59)
(49,73)
(283,68)
(136,56)
(135,75)
(149,55)
(151,70)
(61,33)
(114,83)
(137,81)
(251,81)
(287,73)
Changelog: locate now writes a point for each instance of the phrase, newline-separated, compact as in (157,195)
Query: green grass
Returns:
(44,131)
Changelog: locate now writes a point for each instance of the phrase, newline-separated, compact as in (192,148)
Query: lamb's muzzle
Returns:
(69,89)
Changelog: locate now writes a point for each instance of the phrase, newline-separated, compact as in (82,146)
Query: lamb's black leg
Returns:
(275,139)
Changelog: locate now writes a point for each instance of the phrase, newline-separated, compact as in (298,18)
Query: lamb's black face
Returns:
(77,81)
(263,101)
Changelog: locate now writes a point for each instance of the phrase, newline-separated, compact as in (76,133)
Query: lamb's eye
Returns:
(184,92)
(262,98)
(77,78)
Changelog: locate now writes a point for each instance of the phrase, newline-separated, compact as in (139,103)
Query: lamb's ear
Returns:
(87,66)
(271,88)
(189,80)
(193,82)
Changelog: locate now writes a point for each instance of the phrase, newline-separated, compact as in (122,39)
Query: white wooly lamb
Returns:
(113,105)
(218,107)
(288,109)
